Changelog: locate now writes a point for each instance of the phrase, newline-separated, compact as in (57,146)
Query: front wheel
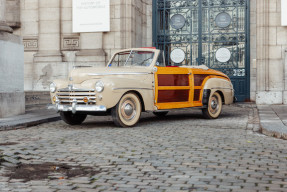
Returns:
(214,107)
(127,112)
(73,119)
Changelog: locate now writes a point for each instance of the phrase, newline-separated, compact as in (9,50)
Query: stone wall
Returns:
(52,49)
(131,25)
(271,43)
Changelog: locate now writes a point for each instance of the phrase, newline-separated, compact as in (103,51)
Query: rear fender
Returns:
(223,86)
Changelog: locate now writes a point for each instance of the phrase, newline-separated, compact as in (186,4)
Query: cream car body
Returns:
(78,96)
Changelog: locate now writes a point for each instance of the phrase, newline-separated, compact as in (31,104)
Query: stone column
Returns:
(12,97)
(3,25)
(269,53)
(285,79)
(253,54)
(49,32)
(92,52)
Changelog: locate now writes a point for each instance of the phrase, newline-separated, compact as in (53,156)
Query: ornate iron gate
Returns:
(210,32)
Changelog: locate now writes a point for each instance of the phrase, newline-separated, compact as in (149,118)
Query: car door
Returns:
(173,88)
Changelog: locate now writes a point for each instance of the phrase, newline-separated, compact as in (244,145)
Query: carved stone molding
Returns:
(70,43)
(30,43)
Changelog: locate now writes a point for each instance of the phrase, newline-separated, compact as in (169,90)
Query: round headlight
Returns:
(53,87)
(99,86)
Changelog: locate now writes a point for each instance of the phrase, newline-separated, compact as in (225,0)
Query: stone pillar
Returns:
(269,47)
(3,25)
(285,79)
(253,54)
(92,52)
(262,51)
(49,32)
(12,97)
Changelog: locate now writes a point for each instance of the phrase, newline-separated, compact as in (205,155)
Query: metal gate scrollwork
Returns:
(210,32)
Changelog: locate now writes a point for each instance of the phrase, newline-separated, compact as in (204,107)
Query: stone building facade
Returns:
(52,49)
(269,56)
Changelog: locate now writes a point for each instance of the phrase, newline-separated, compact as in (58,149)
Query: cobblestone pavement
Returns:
(181,152)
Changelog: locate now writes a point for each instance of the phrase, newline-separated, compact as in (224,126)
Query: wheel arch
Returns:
(208,92)
(222,86)
(123,119)
(221,95)
(139,96)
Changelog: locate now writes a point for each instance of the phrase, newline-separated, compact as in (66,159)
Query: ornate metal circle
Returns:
(223,55)
(177,21)
(177,55)
(222,20)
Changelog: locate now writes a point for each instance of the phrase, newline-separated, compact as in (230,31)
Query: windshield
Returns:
(132,58)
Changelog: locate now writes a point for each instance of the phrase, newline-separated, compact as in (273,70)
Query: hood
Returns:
(83,74)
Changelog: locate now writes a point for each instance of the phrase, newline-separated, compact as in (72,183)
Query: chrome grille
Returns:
(66,96)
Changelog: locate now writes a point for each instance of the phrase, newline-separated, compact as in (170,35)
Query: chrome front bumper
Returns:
(75,108)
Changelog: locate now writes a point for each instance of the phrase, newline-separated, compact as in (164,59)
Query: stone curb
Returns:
(18,124)
(270,124)
(273,133)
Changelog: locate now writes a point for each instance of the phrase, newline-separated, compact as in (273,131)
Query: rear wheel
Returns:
(161,113)
(73,119)
(214,107)
(127,112)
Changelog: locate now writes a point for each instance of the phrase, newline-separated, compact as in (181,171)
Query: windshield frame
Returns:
(155,56)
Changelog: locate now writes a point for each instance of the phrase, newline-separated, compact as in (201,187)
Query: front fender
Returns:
(115,88)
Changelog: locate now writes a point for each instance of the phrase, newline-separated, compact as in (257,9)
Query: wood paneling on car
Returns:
(169,96)
(173,80)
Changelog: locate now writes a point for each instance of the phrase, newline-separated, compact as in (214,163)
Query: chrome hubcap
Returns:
(128,109)
(213,104)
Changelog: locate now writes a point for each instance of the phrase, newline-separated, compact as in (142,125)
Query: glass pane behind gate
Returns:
(177,28)
(209,32)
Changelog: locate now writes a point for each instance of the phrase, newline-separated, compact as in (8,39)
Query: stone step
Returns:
(37,100)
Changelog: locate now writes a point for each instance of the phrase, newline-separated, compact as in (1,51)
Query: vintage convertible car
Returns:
(135,81)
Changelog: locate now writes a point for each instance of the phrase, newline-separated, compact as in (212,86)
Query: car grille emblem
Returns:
(70,87)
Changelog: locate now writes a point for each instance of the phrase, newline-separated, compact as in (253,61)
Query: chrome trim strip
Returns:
(127,73)
(221,88)
(74,108)
(132,88)
(75,90)
(76,94)
(78,101)
(73,97)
